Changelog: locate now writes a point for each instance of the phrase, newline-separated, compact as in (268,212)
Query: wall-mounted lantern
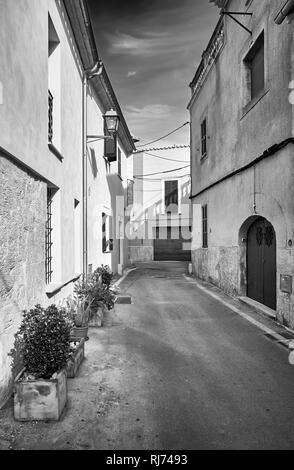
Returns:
(112,120)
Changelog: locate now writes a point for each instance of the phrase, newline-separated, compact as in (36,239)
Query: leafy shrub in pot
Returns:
(104,274)
(43,343)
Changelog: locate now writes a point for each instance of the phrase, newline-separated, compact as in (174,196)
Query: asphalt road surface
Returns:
(175,370)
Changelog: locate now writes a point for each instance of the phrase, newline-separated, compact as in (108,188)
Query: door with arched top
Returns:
(261,263)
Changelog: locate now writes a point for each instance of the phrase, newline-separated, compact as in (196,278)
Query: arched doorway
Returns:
(261,263)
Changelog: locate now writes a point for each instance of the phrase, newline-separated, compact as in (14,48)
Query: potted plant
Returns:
(97,294)
(104,274)
(43,344)
(77,356)
(102,299)
(80,315)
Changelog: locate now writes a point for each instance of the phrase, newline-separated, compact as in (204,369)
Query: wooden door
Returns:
(261,263)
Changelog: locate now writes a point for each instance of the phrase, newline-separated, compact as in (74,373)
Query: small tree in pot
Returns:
(43,344)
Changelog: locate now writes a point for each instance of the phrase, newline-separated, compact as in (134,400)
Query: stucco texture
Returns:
(22,247)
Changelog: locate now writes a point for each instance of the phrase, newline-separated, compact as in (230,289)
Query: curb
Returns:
(117,283)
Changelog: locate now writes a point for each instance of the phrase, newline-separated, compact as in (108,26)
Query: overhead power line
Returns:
(162,172)
(160,179)
(163,158)
(163,137)
(172,147)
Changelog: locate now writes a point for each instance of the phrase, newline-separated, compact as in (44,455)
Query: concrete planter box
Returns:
(77,358)
(97,318)
(40,400)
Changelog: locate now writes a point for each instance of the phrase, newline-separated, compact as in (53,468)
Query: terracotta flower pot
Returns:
(80,332)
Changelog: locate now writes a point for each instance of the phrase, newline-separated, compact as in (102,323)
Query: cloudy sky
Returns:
(151,49)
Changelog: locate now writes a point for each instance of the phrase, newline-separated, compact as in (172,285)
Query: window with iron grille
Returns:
(48,238)
(50,117)
(204,138)
(204,227)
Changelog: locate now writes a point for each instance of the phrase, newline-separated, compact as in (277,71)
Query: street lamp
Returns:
(112,120)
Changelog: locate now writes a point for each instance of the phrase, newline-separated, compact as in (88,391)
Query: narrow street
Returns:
(174,370)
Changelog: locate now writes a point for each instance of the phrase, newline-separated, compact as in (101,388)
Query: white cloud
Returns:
(150,111)
(131,74)
(146,44)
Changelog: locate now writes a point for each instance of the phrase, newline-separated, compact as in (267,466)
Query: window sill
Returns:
(253,103)
(203,158)
(55,152)
(52,289)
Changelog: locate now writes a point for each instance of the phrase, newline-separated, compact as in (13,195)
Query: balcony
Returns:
(209,57)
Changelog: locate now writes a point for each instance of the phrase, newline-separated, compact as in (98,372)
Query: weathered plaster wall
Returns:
(141,253)
(230,205)
(22,264)
(24,136)
(238,132)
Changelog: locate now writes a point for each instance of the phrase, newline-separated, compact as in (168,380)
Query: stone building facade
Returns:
(242,157)
(47,108)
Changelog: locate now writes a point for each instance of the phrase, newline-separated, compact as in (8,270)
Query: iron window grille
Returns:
(48,238)
(204,227)
(204,138)
(50,117)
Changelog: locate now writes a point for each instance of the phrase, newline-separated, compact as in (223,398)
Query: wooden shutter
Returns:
(110,147)
(104,241)
(171,196)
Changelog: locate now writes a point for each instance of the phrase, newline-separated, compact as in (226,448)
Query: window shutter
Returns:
(104,241)
(110,147)
(111,242)
(171,196)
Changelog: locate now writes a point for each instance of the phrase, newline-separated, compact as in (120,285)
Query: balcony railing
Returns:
(209,57)
(50,117)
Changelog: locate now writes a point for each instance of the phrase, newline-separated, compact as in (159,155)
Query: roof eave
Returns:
(79,17)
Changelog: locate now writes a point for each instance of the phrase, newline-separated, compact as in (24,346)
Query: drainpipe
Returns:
(88,74)
(85,180)
(285,11)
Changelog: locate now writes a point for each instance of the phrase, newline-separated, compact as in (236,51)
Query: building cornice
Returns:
(209,58)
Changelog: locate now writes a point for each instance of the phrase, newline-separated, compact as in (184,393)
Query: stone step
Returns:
(259,307)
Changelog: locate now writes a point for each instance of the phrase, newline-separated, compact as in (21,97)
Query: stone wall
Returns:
(22,246)
(219,266)
(285,301)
